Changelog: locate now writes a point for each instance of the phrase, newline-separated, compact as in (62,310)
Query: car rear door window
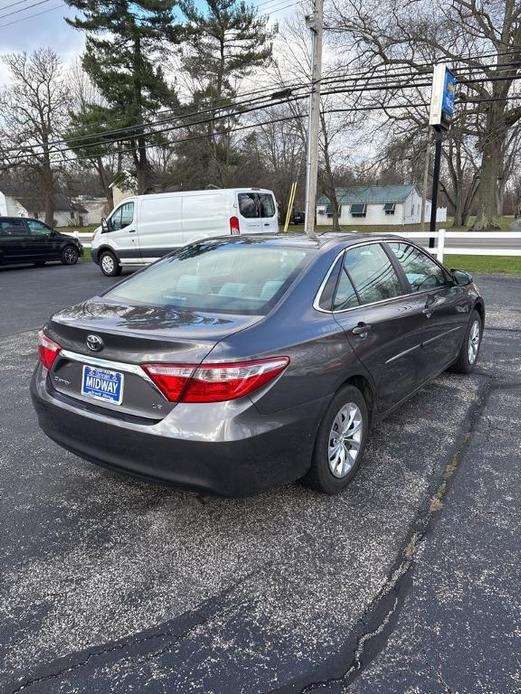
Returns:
(372,274)
(421,271)
(345,295)
(13,227)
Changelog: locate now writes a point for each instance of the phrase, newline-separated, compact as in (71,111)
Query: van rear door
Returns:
(258,213)
(269,222)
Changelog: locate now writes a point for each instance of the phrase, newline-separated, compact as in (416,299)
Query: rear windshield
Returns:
(243,277)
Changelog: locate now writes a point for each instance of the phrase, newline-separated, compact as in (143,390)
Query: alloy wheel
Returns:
(345,439)
(70,255)
(474,340)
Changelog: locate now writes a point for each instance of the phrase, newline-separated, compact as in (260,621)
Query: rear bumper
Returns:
(249,451)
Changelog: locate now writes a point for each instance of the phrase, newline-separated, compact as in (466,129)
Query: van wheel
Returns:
(70,255)
(340,442)
(109,264)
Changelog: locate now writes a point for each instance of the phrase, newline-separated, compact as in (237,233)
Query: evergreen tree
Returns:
(224,41)
(125,41)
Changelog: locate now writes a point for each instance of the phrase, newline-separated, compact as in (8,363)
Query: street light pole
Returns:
(316,25)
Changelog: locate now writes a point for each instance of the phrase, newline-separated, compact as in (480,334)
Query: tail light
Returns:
(48,350)
(214,382)
(235,226)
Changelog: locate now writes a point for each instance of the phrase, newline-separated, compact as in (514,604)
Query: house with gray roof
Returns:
(376,205)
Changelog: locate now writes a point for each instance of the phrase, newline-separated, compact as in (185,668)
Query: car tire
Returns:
(70,255)
(334,462)
(469,350)
(109,264)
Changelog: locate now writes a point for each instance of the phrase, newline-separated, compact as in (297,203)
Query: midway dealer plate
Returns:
(102,384)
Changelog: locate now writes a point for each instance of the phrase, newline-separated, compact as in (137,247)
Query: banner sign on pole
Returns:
(442,98)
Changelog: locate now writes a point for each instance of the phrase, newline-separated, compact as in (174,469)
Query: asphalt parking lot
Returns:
(408,581)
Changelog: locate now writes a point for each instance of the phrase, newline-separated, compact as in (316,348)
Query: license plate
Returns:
(102,384)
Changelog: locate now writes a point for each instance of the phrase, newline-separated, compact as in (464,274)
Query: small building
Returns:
(66,212)
(398,205)
(96,208)
(10,206)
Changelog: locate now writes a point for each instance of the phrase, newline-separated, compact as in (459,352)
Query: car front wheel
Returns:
(109,264)
(340,442)
(469,351)
(70,255)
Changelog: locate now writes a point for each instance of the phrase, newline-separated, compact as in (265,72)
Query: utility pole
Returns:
(426,178)
(316,25)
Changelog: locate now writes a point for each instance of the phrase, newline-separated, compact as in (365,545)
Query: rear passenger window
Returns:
(372,273)
(13,227)
(345,296)
(421,272)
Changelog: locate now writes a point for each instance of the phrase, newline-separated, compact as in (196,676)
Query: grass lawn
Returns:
(483,263)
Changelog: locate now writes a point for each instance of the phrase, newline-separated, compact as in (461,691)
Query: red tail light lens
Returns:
(171,379)
(235,226)
(214,382)
(48,350)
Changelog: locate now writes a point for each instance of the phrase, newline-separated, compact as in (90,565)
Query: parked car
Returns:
(298,217)
(146,227)
(236,364)
(26,240)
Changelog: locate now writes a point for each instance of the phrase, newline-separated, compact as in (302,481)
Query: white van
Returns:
(143,228)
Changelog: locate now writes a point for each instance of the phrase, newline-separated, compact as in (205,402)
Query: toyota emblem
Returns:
(94,343)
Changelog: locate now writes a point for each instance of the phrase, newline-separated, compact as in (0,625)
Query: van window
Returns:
(267,205)
(122,217)
(249,205)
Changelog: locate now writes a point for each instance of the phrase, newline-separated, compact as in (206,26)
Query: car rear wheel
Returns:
(109,264)
(469,351)
(340,442)
(70,255)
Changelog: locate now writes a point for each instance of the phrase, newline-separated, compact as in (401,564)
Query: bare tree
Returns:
(481,37)
(34,109)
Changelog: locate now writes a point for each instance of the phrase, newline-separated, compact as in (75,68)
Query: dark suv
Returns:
(25,240)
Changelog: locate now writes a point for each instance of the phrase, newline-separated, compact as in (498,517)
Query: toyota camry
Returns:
(235,364)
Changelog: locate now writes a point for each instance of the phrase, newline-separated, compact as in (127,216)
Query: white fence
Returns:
(440,237)
(440,249)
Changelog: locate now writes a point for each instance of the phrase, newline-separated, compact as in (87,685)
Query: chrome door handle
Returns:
(427,310)
(361,330)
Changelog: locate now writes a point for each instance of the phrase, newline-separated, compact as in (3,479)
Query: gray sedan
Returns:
(236,364)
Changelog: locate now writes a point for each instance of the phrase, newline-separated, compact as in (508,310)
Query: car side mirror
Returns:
(104,225)
(461,277)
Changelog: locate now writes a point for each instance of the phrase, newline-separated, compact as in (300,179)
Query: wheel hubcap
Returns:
(107,263)
(474,339)
(70,255)
(345,439)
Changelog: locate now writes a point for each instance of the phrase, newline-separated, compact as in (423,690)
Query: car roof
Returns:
(323,242)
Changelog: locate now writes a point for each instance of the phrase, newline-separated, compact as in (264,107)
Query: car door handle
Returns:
(361,330)
(131,231)
(427,310)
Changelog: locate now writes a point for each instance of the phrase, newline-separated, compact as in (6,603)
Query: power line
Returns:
(263,96)
(22,9)
(31,16)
